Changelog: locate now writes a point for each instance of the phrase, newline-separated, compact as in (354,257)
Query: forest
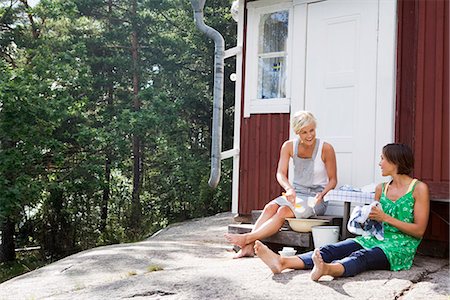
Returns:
(105,122)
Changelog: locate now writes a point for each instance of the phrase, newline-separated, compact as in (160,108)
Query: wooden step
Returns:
(284,236)
(334,220)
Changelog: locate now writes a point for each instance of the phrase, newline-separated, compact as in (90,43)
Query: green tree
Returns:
(105,117)
(47,137)
(21,114)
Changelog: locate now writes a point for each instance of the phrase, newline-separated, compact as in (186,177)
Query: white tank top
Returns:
(320,172)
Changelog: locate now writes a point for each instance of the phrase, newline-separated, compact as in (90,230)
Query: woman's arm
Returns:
(378,191)
(421,213)
(329,159)
(286,153)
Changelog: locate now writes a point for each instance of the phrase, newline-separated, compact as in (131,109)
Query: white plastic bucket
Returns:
(324,235)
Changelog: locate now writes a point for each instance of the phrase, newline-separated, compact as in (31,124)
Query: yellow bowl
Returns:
(305,225)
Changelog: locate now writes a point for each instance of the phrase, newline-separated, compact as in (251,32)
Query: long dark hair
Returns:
(400,155)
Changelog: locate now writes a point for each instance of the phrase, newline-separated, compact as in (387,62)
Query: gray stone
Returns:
(192,260)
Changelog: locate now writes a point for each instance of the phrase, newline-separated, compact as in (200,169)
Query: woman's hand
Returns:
(290,195)
(377,214)
(319,198)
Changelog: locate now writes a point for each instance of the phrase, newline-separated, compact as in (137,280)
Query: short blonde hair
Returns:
(301,119)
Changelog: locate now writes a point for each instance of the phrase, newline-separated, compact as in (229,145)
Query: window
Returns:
(267,62)
(272,55)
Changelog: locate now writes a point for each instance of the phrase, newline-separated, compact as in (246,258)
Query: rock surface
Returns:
(192,260)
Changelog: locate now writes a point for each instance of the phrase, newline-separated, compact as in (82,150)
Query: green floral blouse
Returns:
(398,247)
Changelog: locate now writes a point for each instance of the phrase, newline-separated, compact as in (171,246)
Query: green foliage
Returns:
(67,119)
(25,262)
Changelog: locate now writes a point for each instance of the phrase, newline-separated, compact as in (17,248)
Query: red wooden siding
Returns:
(436,238)
(261,138)
(422,114)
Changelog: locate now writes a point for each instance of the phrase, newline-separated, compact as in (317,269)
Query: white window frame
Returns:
(253,105)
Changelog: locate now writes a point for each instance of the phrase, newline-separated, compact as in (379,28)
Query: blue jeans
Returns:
(351,255)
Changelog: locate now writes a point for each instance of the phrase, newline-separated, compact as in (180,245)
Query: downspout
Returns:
(219,54)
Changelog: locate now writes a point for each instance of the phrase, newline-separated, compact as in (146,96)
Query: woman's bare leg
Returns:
(321,268)
(275,262)
(268,228)
(269,210)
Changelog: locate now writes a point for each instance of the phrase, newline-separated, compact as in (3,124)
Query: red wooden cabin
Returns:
(373,72)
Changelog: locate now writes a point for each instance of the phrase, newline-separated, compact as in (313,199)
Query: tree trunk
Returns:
(106,192)
(34,28)
(7,246)
(7,226)
(107,186)
(136,203)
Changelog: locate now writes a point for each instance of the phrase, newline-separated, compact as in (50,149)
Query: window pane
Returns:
(274,31)
(271,78)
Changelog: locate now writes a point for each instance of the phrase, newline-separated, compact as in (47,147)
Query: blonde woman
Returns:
(314,175)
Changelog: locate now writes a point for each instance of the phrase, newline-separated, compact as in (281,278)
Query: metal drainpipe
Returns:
(219,54)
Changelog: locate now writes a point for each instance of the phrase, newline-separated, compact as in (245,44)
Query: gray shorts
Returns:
(304,212)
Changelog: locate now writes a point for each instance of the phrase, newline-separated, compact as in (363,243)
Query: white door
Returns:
(340,82)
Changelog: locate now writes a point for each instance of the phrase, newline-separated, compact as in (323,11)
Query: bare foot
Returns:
(271,259)
(247,251)
(319,266)
(236,239)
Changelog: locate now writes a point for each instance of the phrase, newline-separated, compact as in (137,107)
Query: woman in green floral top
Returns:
(405,208)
